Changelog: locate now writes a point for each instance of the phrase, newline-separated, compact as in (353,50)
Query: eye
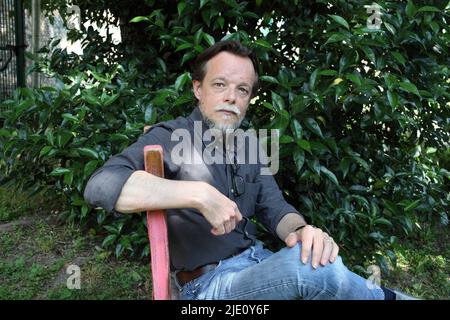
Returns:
(218,84)
(243,90)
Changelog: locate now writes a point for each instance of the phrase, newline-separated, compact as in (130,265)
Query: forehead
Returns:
(230,66)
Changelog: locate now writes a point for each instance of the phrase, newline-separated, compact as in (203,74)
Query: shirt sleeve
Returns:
(105,185)
(271,206)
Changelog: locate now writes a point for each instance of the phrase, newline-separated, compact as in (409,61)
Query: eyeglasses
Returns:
(238,181)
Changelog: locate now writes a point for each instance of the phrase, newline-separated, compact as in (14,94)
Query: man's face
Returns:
(224,93)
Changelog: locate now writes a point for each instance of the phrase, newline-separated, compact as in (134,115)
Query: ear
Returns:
(197,87)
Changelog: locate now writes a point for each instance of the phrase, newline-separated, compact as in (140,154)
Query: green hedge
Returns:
(363,114)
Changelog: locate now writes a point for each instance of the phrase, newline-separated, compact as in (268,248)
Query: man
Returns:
(213,250)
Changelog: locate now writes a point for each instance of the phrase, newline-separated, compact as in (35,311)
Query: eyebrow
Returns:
(225,80)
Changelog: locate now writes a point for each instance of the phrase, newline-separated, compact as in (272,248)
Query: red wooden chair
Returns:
(162,286)
(157,231)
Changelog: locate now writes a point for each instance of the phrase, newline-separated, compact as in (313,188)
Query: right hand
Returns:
(222,213)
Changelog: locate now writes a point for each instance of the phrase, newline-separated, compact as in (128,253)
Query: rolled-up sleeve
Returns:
(105,185)
(271,206)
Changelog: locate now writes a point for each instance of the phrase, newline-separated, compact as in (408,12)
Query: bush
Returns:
(363,114)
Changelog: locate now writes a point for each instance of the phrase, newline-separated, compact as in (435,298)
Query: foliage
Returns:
(363,114)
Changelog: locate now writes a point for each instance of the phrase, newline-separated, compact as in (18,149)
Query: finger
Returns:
(307,241)
(232,224)
(292,239)
(334,253)
(227,226)
(238,214)
(217,231)
(317,248)
(327,249)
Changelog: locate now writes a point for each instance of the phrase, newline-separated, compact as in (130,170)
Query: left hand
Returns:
(323,247)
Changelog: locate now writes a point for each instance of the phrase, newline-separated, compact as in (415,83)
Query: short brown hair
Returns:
(231,46)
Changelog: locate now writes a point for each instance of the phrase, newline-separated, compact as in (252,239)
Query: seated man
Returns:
(214,253)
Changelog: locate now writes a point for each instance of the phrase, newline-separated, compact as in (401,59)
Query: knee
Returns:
(334,273)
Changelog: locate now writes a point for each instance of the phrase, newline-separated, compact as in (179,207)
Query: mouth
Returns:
(227,112)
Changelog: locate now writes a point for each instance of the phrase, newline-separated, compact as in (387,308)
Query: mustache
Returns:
(228,107)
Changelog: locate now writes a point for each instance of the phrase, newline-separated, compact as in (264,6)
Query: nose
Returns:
(230,95)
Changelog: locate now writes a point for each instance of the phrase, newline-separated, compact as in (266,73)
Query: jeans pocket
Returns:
(192,289)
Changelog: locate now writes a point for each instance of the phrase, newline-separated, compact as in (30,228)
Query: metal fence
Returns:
(12,47)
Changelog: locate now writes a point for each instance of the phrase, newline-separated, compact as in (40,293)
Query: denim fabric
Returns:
(258,273)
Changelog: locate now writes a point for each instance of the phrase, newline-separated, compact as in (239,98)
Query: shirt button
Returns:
(232,190)
(246,233)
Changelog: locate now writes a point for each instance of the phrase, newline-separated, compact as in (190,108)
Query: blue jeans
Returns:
(258,273)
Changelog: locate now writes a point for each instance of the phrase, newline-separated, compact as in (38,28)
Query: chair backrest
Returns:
(157,231)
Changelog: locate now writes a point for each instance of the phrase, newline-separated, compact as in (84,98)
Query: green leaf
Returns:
(399,57)
(187,56)
(336,37)
(328,72)
(305,145)
(263,43)
(277,101)
(410,9)
(68,178)
(209,39)
(312,79)
(353,78)
(383,221)
(297,129)
(330,175)
(369,54)
(393,99)
(139,19)
(412,205)
(111,99)
(45,150)
(299,159)
(344,166)
(339,20)
(409,87)
(90,167)
(203,2)
(198,35)
(313,126)
(181,80)
(109,240)
(286,139)
(269,79)
(70,117)
(181,6)
(120,136)
(184,46)
(88,152)
(429,9)
(119,250)
(59,171)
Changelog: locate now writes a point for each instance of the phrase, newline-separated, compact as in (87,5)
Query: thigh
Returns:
(268,276)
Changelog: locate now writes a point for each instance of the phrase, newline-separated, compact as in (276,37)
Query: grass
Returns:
(34,258)
(422,267)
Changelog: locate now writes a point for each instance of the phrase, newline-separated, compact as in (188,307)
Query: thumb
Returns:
(291,240)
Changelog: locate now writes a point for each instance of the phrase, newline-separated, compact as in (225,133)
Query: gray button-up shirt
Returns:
(191,243)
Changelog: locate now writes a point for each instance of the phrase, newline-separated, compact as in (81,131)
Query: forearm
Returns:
(288,224)
(144,191)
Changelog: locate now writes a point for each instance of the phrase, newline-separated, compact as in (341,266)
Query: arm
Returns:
(144,191)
